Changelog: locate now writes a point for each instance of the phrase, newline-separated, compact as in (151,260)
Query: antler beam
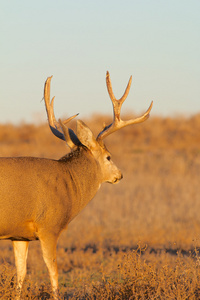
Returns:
(117,122)
(53,123)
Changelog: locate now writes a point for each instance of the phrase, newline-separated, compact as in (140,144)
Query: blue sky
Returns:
(158,42)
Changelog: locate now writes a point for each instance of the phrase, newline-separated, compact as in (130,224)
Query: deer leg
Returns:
(48,245)
(20,252)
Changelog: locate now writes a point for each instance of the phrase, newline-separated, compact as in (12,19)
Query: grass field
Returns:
(139,239)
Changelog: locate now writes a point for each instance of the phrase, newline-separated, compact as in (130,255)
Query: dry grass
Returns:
(136,240)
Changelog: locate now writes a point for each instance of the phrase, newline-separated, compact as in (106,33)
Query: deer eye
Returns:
(108,157)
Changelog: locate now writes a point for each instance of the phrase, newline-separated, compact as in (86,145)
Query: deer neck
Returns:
(83,178)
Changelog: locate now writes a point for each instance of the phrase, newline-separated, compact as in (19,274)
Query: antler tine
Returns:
(53,123)
(117,122)
(109,87)
(117,103)
(110,90)
(51,112)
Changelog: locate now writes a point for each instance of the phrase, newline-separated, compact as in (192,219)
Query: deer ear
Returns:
(85,135)
(70,137)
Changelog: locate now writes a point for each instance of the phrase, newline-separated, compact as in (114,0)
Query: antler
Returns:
(70,138)
(117,122)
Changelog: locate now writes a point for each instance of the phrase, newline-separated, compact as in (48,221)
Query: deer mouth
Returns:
(116,180)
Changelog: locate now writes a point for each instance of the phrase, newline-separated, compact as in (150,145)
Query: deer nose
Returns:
(120,176)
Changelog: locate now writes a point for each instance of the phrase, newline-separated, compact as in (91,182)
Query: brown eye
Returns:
(108,158)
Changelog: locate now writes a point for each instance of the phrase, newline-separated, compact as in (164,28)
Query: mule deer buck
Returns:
(39,197)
